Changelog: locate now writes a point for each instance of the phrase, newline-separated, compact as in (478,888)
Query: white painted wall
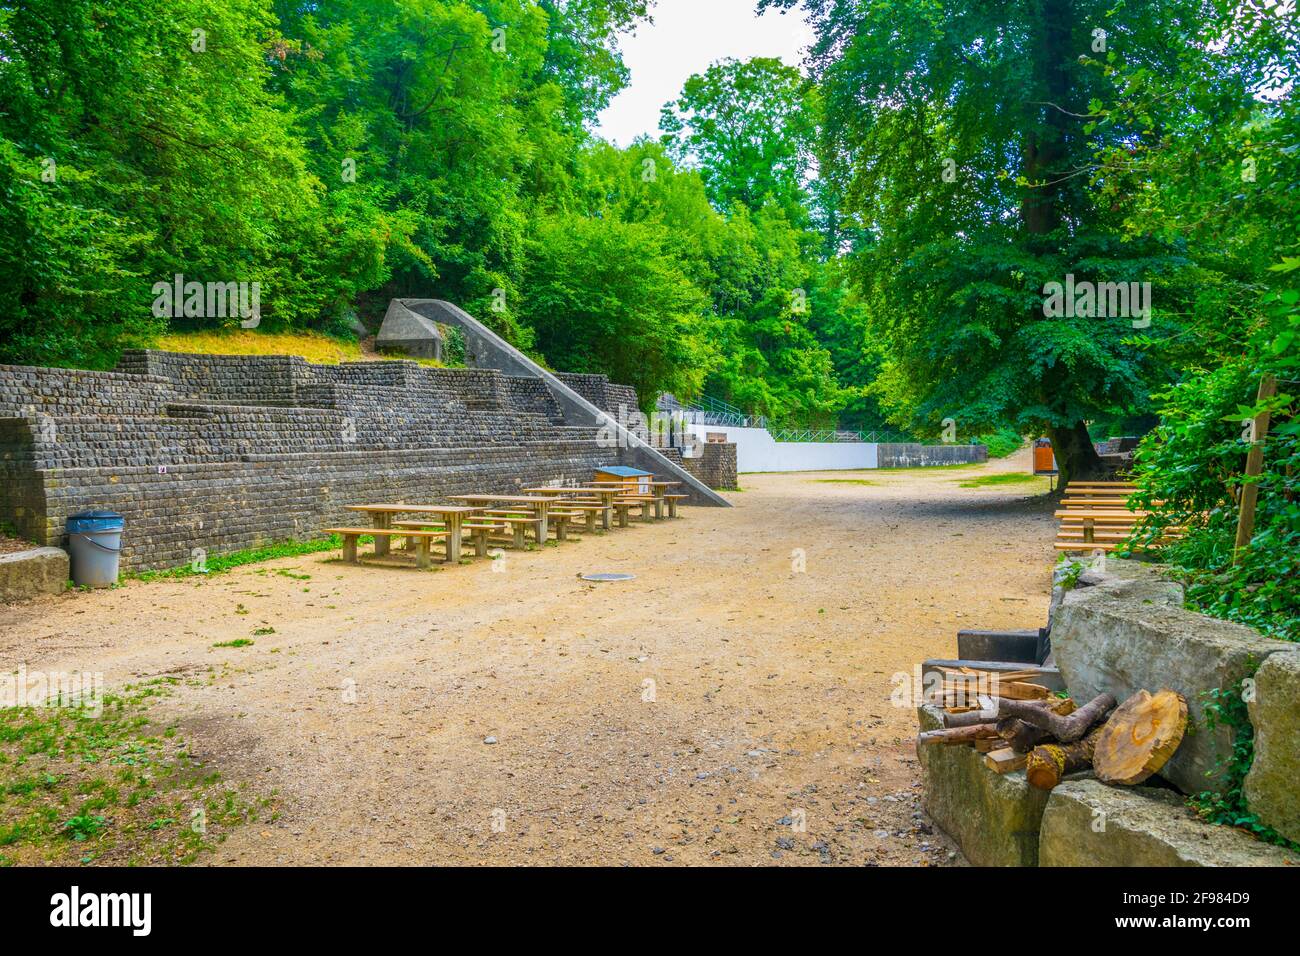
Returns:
(757,450)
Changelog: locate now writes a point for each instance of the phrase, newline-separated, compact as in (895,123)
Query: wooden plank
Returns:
(1005,760)
(1254,466)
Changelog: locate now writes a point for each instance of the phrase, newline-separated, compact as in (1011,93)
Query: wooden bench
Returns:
(625,505)
(563,517)
(672,503)
(517,523)
(478,531)
(422,541)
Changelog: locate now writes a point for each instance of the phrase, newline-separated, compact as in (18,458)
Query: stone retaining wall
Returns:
(1127,630)
(715,465)
(219,453)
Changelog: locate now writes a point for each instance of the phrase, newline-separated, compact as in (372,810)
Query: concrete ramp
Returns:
(485,349)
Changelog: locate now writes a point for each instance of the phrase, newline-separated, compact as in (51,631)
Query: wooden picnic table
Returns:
(606,496)
(539,505)
(658,489)
(452,516)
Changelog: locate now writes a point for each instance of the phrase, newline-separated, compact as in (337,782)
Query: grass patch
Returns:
(112,787)
(1002,478)
(237,642)
(237,559)
(843,481)
(315,347)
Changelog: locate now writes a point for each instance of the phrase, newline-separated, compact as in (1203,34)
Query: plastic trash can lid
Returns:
(91,521)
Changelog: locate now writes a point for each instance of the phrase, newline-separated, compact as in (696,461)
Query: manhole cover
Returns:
(606,576)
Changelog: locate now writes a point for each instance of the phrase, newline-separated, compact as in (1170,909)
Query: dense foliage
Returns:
(1235,213)
(344,152)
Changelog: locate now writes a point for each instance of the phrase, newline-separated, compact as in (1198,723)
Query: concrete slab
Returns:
(25,574)
(1087,823)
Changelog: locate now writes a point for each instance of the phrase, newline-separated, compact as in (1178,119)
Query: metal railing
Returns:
(837,435)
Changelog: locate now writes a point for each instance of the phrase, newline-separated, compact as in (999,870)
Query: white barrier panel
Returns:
(757,450)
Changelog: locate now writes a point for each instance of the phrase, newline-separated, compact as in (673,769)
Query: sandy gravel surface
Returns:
(368,708)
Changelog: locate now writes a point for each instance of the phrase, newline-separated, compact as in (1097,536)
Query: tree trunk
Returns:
(1140,737)
(1020,736)
(957,735)
(1076,456)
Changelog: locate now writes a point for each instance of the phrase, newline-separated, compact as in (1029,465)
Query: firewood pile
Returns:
(1020,725)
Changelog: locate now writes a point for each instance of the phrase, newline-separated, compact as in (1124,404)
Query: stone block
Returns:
(1131,632)
(25,574)
(994,818)
(1087,823)
(1273,784)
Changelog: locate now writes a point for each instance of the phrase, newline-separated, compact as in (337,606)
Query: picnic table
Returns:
(538,505)
(659,489)
(605,494)
(453,516)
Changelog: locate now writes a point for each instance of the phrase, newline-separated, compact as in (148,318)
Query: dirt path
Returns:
(771,687)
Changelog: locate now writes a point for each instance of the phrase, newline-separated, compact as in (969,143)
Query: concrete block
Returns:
(1273,784)
(1087,823)
(994,818)
(1131,632)
(25,574)
(412,334)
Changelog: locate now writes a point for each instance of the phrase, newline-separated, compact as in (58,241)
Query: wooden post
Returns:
(1254,467)
(453,525)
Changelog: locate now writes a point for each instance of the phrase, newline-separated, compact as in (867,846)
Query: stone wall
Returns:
(220,453)
(1121,630)
(715,465)
(603,393)
(915,455)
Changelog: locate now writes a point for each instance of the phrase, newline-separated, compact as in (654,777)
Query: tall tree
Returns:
(749,127)
(963,134)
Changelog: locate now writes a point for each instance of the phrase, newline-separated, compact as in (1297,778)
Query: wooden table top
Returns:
(416,509)
(567,491)
(524,498)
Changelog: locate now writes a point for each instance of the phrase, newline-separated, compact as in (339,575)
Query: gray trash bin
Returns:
(95,545)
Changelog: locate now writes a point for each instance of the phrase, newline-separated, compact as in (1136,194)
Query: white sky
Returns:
(685,38)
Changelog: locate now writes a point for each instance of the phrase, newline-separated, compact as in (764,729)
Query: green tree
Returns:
(133,148)
(962,138)
(608,296)
(749,126)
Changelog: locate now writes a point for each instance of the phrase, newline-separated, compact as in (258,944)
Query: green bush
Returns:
(1191,467)
(1002,442)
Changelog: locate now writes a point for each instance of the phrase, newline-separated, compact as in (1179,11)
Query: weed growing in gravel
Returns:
(118,788)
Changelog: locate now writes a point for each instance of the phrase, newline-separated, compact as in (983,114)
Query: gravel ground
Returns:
(726,706)
(11,545)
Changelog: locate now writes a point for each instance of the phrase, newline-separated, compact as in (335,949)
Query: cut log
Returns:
(986,745)
(957,735)
(1065,729)
(1004,760)
(1020,736)
(967,718)
(1140,737)
(1047,764)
